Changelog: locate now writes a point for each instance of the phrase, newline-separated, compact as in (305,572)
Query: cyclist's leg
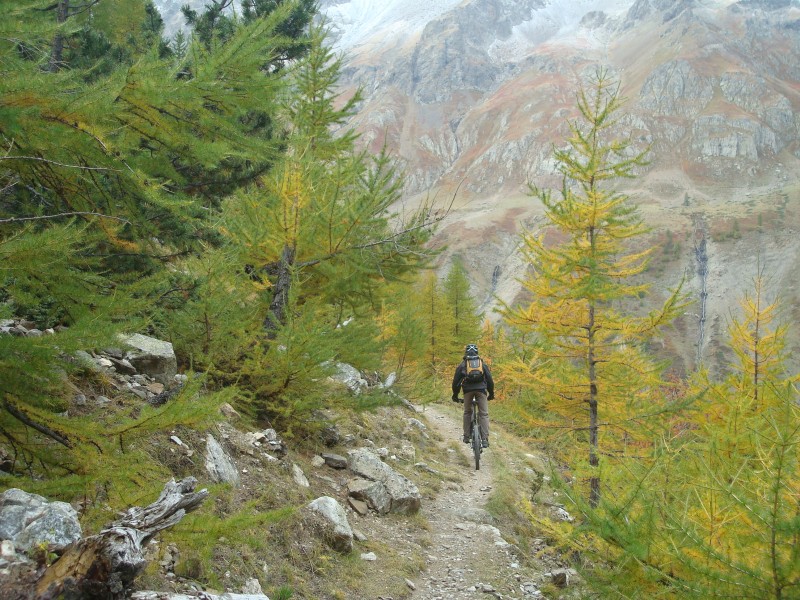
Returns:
(467,414)
(483,414)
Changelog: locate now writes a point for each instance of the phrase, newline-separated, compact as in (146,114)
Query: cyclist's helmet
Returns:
(471,350)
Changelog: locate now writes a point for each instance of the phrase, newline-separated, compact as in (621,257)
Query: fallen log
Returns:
(103,566)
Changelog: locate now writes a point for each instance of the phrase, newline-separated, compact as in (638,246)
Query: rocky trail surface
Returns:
(467,556)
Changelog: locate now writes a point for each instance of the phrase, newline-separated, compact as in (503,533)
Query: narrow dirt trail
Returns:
(467,556)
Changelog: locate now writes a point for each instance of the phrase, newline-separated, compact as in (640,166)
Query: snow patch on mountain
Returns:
(559,20)
(353,22)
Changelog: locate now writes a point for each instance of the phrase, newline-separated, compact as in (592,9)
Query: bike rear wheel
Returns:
(476,444)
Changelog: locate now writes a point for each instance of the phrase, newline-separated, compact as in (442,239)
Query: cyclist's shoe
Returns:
(484,443)
(467,440)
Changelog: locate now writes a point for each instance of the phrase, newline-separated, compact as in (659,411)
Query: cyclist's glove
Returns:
(455,398)
(491,397)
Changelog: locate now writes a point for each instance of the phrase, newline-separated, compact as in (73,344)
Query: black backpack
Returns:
(473,366)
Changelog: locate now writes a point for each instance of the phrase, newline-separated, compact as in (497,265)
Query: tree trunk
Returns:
(594,459)
(57,52)
(103,566)
(280,292)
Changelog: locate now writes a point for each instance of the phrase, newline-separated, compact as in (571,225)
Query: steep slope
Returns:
(473,95)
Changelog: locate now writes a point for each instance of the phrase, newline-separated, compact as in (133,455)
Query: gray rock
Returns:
(29,520)
(718,136)
(563,577)
(530,589)
(335,461)
(122,366)
(152,357)
(374,493)
(252,586)
(228,411)
(359,506)
(676,89)
(329,435)
(351,377)
(405,497)
(417,424)
(219,465)
(117,353)
(333,520)
(406,452)
(317,461)
(370,556)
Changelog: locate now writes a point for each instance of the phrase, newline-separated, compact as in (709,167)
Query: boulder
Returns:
(404,495)
(333,522)
(351,377)
(219,465)
(152,357)
(29,520)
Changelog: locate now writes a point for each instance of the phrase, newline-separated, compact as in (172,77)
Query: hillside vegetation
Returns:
(202,202)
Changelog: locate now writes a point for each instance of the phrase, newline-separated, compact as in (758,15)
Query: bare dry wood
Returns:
(105,565)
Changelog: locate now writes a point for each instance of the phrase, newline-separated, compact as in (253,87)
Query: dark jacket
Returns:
(461,372)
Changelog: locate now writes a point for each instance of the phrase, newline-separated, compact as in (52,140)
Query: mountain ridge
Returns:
(713,90)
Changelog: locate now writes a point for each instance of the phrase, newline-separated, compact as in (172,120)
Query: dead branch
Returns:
(103,566)
(62,215)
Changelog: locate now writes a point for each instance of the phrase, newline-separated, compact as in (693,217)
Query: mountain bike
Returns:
(475,434)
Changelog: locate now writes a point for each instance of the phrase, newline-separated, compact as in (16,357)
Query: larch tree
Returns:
(403,330)
(111,171)
(589,360)
(712,512)
(320,231)
(436,317)
(466,321)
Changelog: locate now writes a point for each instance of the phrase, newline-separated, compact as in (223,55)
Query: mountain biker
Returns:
(476,389)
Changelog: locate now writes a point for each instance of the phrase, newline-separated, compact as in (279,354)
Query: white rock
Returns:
(219,465)
(299,477)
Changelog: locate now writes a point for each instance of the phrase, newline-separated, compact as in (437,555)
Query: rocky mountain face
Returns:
(472,96)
